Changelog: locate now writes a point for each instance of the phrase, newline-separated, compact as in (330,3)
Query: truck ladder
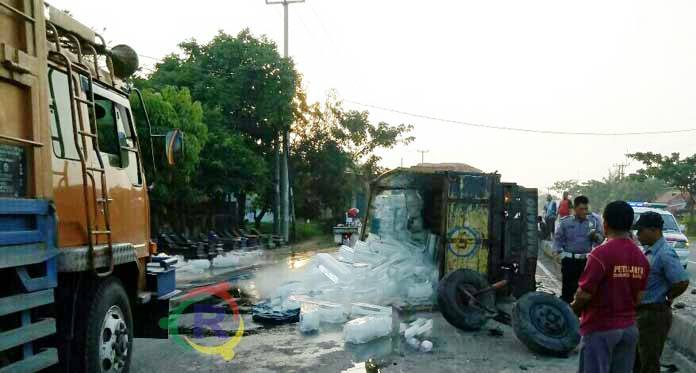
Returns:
(80,133)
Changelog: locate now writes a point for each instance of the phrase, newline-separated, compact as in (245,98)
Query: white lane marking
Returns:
(548,273)
(691,261)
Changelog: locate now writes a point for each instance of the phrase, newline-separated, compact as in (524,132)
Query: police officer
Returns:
(666,281)
(575,237)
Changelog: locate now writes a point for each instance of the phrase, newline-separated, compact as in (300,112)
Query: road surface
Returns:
(284,349)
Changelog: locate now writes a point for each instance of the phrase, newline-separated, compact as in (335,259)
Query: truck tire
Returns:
(453,304)
(105,330)
(545,324)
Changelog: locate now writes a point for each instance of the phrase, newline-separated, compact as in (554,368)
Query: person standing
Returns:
(611,286)
(565,206)
(550,213)
(575,237)
(667,280)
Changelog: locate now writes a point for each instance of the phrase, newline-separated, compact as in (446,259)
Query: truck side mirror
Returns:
(174,146)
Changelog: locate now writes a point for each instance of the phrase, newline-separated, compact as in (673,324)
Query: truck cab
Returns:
(74,207)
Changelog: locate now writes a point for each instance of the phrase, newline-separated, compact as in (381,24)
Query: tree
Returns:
(334,154)
(171,108)
(612,188)
(676,171)
(250,95)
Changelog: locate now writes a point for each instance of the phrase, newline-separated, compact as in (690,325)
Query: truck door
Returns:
(468,222)
(128,209)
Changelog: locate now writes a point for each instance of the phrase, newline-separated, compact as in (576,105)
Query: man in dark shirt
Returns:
(610,288)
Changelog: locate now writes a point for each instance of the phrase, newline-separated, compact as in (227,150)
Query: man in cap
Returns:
(575,237)
(667,280)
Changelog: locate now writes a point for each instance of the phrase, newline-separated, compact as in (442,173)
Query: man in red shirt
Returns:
(565,206)
(610,287)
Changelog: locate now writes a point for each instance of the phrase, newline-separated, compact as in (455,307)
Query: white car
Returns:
(671,231)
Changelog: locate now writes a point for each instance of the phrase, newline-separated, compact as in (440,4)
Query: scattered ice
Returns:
(413,342)
(310,319)
(419,328)
(221,261)
(333,315)
(367,328)
(426,346)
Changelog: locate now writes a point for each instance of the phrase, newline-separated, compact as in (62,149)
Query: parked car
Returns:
(672,231)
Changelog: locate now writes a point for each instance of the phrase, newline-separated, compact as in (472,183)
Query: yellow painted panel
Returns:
(467,231)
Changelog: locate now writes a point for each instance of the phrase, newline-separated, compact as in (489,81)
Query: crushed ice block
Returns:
(310,318)
(419,328)
(333,315)
(346,253)
(200,263)
(366,329)
(364,309)
(225,261)
(332,268)
(426,346)
(413,342)
(361,245)
(420,292)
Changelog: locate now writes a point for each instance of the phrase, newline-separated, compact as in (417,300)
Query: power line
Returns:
(527,130)
(149,57)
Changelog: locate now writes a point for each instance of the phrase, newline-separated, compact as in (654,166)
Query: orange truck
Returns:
(74,208)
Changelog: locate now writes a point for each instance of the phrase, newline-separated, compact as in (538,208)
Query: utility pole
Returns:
(422,155)
(621,167)
(284,179)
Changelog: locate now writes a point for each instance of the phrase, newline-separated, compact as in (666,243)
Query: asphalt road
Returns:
(284,349)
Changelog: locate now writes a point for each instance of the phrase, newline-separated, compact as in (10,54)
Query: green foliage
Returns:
(306,231)
(168,109)
(676,171)
(243,76)
(333,155)
(243,94)
(612,188)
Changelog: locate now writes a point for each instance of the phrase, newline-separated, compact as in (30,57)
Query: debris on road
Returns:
(275,311)
(367,328)
(545,324)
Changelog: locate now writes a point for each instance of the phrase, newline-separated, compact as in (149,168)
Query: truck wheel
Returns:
(545,324)
(107,330)
(456,306)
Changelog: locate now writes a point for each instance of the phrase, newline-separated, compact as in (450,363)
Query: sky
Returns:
(591,66)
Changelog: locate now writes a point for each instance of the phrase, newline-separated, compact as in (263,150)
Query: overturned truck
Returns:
(482,234)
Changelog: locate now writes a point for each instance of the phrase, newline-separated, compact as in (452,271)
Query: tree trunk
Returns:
(241,208)
(259,217)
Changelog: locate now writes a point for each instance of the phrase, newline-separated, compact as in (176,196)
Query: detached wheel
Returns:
(106,331)
(458,308)
(545,324)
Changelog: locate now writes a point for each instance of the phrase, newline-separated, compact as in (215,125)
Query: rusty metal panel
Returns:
(24,107)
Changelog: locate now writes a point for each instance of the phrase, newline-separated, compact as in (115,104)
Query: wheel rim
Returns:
(113,341)
(548,320)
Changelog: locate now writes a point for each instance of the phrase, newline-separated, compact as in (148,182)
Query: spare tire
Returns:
(545,324)
(454,305)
